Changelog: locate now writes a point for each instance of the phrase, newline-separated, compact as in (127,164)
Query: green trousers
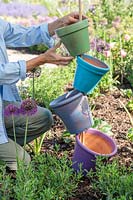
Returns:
(38,124)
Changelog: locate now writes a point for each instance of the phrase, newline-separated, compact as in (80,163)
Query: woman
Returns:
(11,72)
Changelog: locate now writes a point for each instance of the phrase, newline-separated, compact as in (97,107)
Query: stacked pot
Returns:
(73,107)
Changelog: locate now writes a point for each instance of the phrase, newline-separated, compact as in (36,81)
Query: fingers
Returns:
(57,45)
(63,60)
(76,15)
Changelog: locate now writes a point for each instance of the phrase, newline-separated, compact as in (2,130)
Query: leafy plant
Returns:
(130,105)
(50,84)
(130,134)
(5,184)
(46,177)
(36,147)
(112,180)
(102,126)
(127,92)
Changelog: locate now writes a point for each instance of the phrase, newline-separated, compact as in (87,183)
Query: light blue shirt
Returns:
(11,72)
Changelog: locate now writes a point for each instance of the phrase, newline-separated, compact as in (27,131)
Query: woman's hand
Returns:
(50,56)
(64,21)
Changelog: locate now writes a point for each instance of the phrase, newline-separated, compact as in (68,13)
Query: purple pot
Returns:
(73,109)
(95,144)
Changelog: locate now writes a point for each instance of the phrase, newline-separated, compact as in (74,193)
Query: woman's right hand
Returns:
(50,56)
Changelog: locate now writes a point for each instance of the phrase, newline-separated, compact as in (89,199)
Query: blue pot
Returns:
(74,111)
(88,73)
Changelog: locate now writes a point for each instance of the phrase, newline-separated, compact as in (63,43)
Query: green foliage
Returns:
(102,126)
(130,105)
(46,177)
(112,180)
(127,93)
(67,137)
(51,83)
(37,145)
(37,49)
(5,184)
(130,134)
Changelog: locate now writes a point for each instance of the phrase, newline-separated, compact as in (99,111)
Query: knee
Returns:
(49,117)
(46,119)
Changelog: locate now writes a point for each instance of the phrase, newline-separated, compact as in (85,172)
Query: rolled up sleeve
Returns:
(22,65)
(12,72)
(20,36)
(47,39)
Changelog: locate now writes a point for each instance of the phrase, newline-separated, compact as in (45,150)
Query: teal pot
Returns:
(73,109)
(75,37)
(89,72)
(92,144)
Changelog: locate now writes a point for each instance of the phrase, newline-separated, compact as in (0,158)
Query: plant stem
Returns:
(41,141)
(33,86)
(25,136)
(14,133)
(130,117)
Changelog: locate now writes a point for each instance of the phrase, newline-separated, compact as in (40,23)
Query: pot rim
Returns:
(72,28)
(63,100)
(92,130)
(88,66)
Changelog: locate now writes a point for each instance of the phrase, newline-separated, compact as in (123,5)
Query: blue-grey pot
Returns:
(73,109)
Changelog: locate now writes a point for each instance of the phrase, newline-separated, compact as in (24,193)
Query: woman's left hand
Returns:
(64,21)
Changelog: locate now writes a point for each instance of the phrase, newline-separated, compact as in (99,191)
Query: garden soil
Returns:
(108,108)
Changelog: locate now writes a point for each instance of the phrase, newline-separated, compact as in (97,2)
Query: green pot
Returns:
(75,37)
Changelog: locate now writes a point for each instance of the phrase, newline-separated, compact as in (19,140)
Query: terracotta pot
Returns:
(95,143)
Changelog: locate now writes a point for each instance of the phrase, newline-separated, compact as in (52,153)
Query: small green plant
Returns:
(102,126)
(112,180)
(127,93)
(67,137)
(130,105)
(36,147)
(130,134)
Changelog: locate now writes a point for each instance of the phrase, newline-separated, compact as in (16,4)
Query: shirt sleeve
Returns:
(20,36)
(12,72)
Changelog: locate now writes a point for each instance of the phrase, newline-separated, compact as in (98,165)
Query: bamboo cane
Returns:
(80,10)
(80,19)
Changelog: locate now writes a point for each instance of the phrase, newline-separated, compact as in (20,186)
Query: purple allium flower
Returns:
(11,109)
(28,107)
(99,45)
(92,8)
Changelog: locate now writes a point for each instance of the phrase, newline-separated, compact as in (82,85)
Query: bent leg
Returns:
(8,154)
(38,124)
